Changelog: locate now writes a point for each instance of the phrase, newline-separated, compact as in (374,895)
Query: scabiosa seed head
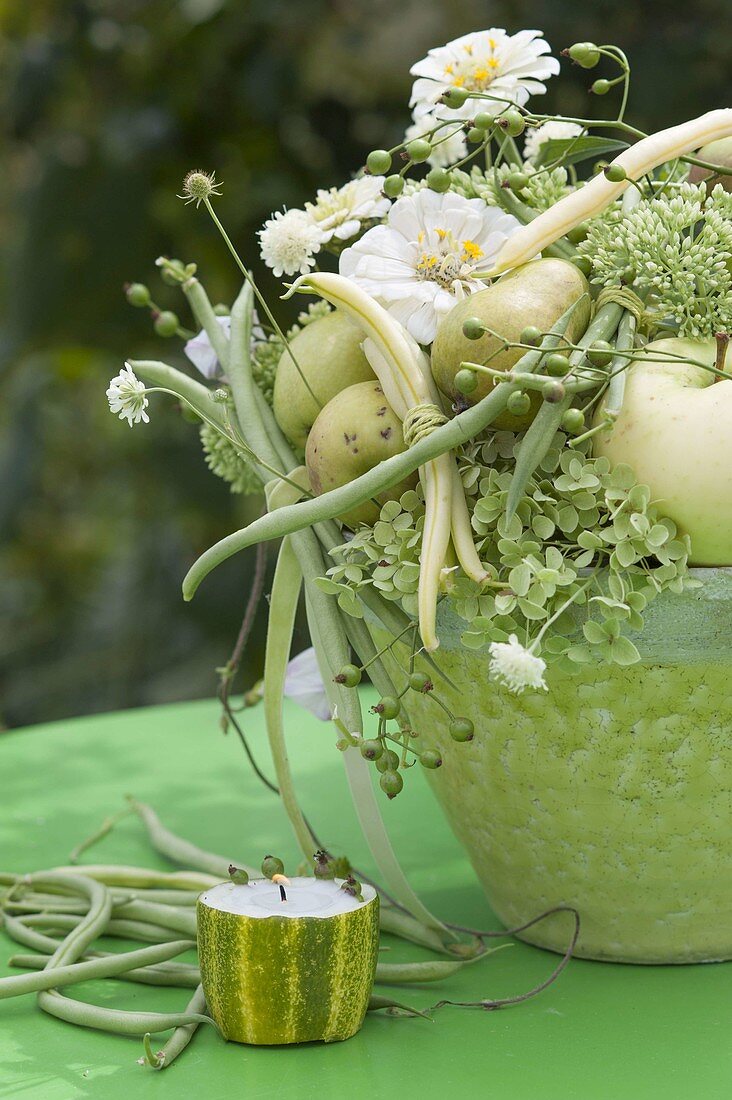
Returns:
(199,186)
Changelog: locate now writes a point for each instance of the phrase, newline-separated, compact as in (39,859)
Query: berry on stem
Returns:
(350,675)
(137,294)
(393,186)
(466,381)
(272,865)
(418,681)
(418,150)
(430,759)
(473,328)
(573,421)
(166,323)
(518,403)
(556,364)
(585,54)
(371,749)
(600,354)
(391,783)
(462,729)
(530,335)
(454,96)
(438,180)
(388,761)
(378,162)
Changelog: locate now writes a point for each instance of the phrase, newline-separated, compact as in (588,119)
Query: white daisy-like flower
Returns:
(448,143)
(516,666)
(555,129)
(304,684)
(432,251)
(506,66)
(339,211)
(126,396)
(288,241)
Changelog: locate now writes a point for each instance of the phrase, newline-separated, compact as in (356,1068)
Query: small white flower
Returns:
(516,666)
(201,353)
(304,684)
(338,212)
(126,396)
(505,66)
(535,138)
(288,242)
(448,143)
(430,254)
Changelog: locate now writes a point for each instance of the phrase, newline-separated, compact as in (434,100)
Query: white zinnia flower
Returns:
(535,138)
(515,666)
(338,212)
(288,240)
(448,143)
(428,256)
(304,684)
(507,66)
(126,396)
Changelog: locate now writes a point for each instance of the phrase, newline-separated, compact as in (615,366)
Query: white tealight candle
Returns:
(287,970)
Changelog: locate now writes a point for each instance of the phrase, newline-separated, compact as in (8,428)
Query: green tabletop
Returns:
(602,1032)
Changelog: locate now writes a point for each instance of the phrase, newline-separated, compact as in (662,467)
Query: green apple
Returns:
(675,431)
(329,354)
(717,152)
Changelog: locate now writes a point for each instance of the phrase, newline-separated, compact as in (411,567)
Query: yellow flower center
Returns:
(450,260)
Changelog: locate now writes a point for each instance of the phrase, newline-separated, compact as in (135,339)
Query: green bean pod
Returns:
(113,1019)
(182,1035)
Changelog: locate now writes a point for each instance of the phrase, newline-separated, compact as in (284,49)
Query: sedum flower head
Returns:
(506,67)
(224,460)
(516,666)
(288,242)
(126,397)
(677,247)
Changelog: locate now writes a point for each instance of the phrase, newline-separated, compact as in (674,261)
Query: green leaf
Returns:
(624,652)
(594,632)
(575,150)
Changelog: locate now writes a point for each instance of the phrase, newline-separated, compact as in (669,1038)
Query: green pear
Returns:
(355,431)
(674,431)
(329,355)
(716,152)
(538,293)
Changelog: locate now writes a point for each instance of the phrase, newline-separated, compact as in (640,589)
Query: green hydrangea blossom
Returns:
(583,536)
(676,247)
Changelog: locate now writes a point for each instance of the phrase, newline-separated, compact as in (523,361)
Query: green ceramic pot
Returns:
(611,792)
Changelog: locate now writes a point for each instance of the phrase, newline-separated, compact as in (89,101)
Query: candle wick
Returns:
(283,895)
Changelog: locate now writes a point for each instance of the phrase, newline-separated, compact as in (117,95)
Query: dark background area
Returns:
(105,105)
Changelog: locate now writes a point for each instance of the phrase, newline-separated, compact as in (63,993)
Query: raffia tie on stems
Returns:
(421,421)
(622,296)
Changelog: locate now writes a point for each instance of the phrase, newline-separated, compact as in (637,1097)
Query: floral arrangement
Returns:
(458,419)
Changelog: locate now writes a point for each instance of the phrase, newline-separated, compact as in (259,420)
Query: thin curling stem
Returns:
(183,1034)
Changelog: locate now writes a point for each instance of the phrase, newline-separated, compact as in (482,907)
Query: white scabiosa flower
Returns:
(339,211)
(448,143)
(504,66)
(304,684)
(516,666)
(535,138)
(288,242)
(126,397)
(431,252)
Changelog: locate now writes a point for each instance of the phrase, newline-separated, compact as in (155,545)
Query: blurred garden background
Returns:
(105,105)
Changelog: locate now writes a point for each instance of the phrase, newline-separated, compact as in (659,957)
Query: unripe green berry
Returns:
(388,706)
(221,310)
(585,54)
(438,180)
(350,675)
(378,162)
(483,121)
(553,392)
(512,122)
(238,875)
(530,335)
(517,181)
(601,87)
(418,681)
(462,729)
(600,354)
(137,294)
(466,381)
(615,173)
(577,233)
(419,150)
(393,186)
(475,136)
(166,323)
(430,759)
(455,97)
(272,865)
(391,783)
(573,421)
(518,403)
(555,364)
(473,328)
(388,761)
(371,749)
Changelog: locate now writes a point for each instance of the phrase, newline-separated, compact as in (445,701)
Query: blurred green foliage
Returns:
(105,105)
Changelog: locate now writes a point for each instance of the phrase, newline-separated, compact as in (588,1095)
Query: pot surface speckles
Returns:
(611,792)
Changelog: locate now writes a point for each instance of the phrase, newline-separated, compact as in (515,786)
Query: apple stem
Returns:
(722,339)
